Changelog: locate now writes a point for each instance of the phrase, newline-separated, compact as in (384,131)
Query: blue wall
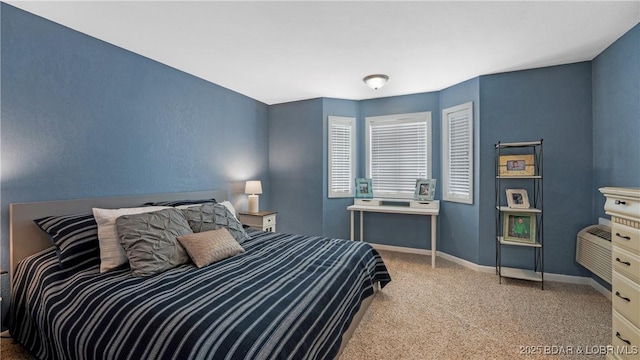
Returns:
(83,118)
(459,223)
(296,165)
(553,104)
(392,229)
(616,117)
(334,222)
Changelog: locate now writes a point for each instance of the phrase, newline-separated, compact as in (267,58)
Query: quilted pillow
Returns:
(150,240)
(180,202)
(74,236)
(212,217)
(112,255)
(208,247)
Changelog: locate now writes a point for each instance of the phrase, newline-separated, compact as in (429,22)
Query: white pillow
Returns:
(112,254)
(229,206)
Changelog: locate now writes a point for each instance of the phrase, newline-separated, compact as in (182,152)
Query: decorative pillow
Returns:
(112,255)
(229,206)
(180,202)
(150,240)
(74,236)
(212,217)
(208,247)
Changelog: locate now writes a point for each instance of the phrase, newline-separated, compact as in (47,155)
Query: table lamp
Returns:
(253,187)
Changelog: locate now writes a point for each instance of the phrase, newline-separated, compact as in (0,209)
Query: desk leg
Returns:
(433,240)
(352,225)
(361,226)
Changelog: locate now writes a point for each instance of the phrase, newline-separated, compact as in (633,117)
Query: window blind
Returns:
(341,156)
(458,154)
(398,152)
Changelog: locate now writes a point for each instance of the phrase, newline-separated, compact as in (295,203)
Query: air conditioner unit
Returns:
(593,250)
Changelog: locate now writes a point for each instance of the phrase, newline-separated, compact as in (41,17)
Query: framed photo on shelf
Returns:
(520,227)
(517,165)
(518,199)
(364,189)
(425,189)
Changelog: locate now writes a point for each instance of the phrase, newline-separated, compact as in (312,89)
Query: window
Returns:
(457,153)
(398,152)
(342,149)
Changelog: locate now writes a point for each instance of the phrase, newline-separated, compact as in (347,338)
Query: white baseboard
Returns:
(401,249)
(569,279)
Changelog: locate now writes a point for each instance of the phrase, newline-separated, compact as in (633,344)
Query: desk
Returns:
(399,210)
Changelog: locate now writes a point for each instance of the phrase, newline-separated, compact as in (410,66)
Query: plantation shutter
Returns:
(397,156)
(341,147)
(458,154)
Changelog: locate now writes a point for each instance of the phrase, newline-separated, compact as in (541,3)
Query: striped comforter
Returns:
(286,297)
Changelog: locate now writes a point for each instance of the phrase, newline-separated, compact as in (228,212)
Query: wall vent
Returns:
(593,250)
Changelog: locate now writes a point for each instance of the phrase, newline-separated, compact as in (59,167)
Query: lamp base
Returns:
(254,203)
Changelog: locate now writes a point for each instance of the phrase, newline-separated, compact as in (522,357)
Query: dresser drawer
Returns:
(626,263)
(626,236)
(625,336)
(269,220)
(626,298)
(622,206)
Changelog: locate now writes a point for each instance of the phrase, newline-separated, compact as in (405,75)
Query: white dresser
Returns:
(623,204)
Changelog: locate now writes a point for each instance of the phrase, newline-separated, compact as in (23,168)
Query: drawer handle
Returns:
(621,202)
(623,262)
(622,297)
(624,237)
(620,337)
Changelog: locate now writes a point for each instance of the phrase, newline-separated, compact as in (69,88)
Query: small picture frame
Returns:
(518,199)
(425,189)
(517,165)
(520,227)
(364,189)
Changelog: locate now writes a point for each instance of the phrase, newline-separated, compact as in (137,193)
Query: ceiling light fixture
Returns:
(376,81)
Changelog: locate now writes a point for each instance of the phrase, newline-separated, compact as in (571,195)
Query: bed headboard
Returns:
(27,239)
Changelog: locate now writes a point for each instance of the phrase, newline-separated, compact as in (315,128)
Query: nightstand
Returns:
(262,220)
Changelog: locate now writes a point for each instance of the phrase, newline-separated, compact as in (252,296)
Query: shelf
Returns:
(518,177)
(523,210)
(518,243)
(518,144)
(520,274)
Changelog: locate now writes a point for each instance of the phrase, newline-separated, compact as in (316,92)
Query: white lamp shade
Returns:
(253,187)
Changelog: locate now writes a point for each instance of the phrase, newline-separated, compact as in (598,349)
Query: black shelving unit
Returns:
(532,181)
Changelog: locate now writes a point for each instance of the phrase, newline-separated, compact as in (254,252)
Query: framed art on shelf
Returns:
(364,189)
(425,189)
(520,227)
(518,199)
(517,165)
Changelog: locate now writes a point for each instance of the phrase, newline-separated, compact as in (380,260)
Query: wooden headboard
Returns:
(27,239)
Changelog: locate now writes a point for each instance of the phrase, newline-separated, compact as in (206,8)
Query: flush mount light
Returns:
(376,81)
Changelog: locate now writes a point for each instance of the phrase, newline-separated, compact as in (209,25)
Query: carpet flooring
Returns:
(451,312)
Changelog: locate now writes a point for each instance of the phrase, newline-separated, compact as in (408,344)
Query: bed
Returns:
(286,297)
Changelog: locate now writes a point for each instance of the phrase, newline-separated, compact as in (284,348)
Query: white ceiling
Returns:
(285,51)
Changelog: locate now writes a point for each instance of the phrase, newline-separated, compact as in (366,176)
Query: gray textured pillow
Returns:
(208,247)
(150,240)
(212,217)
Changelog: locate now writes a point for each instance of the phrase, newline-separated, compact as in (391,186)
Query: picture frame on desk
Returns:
(364,188)
(518,199)
(520,227)
(425,189)
(517,165)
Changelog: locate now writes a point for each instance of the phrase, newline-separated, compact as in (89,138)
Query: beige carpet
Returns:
(454,313)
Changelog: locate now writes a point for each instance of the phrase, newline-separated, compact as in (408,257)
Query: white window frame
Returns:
(447,114)
(399,118)
(345,121)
